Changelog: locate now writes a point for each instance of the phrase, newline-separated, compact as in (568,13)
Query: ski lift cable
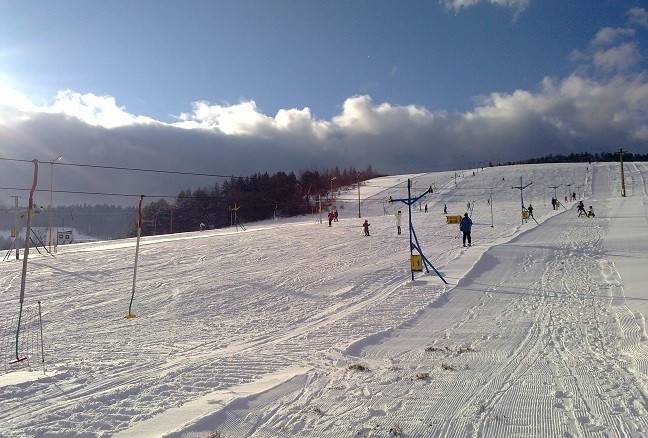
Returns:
(130,169)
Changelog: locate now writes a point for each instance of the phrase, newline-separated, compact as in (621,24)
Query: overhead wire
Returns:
(124,168)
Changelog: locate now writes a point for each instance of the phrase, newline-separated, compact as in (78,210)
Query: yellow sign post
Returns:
(452,219)
(417,263)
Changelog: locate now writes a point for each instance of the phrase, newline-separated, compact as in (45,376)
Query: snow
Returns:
(541,331)
(19,377)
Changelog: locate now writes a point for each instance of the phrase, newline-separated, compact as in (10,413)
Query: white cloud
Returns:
(638,16)
(94,110)
(458,5)
(609,35)
(617,58)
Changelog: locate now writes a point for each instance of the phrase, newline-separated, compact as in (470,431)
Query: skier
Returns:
(202,226)
(330,217)
(590,213)
(426,208)
(365,225)
(530,210)
(445,209)
(335,215)
(398,222)
(464,226)
(581,209)
(573,196)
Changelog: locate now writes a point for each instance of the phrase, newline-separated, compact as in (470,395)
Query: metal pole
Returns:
(623,190)
(521,194)
(131,315)
(491,206)
(40,321)
(49,207)
(409,208)
(359,213)
(16,232)
(23,278)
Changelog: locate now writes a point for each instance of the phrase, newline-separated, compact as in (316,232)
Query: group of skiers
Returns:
(581,210)
(465,224)
(332,216)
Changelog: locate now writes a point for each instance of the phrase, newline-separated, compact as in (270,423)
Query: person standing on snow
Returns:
(464,226)
(426,208)
(445,209)
(590,213)
(581,209)
(530,210)
(365,225)
(335,215)
(330,217)
(398,222)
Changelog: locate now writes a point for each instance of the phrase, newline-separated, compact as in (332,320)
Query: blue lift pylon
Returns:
(414,243)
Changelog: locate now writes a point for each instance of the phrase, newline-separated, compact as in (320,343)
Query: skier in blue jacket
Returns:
(464,226)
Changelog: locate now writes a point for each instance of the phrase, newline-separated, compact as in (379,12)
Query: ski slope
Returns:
(540,333)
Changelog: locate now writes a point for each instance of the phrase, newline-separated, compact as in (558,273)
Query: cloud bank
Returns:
(602,105)
(458,5)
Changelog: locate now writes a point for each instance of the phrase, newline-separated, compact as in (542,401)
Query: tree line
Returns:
(253,198)
(580,157)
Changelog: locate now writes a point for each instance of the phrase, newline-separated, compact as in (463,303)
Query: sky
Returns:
(245,86)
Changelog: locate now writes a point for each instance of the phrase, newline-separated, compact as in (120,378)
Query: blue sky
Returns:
(245,86)
(156,57)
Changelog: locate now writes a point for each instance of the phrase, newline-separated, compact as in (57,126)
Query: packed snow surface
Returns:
(295,328)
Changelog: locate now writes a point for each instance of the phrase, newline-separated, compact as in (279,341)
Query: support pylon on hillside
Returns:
(414,243)
(521,187)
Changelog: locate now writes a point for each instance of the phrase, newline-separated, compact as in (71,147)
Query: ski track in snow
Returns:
(557,350)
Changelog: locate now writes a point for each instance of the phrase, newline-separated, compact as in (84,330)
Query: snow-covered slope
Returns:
(225,315)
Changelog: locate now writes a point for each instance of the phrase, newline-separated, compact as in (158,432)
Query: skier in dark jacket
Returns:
(365,225)
(330,217)
(464,226)
(581,209)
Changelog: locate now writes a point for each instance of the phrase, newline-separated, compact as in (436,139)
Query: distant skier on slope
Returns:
(335,215)
(366,225)
(398,222)
(590,213)
(464,226)
(445,209)
(530,210)
(330,217)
